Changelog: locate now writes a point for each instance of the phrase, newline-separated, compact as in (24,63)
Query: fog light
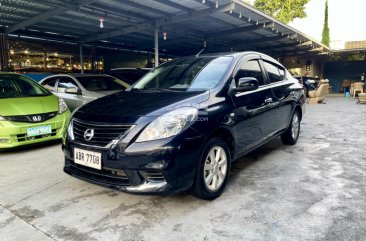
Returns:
(5,140)
(156,165)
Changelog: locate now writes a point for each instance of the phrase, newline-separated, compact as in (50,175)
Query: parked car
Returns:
(309,83)
(28,112)
(128,75)
(189,120)
(79,89)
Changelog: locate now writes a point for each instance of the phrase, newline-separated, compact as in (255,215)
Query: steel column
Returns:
(81,59)
(4,58)
(156,46)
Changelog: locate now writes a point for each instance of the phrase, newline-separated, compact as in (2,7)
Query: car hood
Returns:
(28,105)
(128,106)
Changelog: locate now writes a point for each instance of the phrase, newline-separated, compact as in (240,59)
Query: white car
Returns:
(79,89)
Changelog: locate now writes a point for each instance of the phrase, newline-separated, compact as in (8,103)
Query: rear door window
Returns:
(273,72)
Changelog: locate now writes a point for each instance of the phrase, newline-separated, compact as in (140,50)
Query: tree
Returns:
(283,10)
(325,34)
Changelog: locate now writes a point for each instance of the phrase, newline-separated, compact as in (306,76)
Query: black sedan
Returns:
(182,125)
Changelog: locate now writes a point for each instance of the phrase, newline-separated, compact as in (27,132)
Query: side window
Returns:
(50,83)
(64,83)
(273,72)
(250,68)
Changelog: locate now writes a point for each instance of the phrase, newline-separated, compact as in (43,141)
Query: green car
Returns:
(29,113)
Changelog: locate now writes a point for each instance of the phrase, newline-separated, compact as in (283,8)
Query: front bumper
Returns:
(155,167)
(14,134)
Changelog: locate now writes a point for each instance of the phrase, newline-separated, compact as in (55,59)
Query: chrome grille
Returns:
(105,135)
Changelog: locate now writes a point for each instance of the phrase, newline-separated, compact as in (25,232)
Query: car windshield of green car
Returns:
(186,74)
(100,83)
(17,86)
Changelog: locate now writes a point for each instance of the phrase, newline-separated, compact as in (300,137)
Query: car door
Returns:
(282,99)
(252,109)
(73,101)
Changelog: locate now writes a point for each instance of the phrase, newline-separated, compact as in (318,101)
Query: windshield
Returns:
(101,83)
(16,86)
(186,74)
(129,76)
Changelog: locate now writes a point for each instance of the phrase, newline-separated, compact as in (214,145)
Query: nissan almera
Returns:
(181,126)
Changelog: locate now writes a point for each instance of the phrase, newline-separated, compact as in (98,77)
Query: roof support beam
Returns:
(175,5)
(165,21)
(49,14)
(279,46)
(233,31)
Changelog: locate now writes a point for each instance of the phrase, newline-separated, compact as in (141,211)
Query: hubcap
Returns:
(215,169)
(295,126)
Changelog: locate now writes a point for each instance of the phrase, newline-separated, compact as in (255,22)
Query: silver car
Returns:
(79,89)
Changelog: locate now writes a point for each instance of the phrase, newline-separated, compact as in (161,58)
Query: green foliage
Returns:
(283,10)
(325,34)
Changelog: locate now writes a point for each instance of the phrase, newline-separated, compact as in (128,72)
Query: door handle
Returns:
(268,100)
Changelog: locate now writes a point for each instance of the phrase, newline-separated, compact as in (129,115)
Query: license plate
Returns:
(39,130)
(88,158)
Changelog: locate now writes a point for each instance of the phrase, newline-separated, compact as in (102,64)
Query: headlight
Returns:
(62,107)
(169,124)
(2,118)
(70,131)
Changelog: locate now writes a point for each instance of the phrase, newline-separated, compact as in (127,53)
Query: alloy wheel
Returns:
(215,169)
(295,126)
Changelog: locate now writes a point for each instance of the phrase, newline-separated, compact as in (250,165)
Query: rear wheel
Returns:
(212,171)
(292,133)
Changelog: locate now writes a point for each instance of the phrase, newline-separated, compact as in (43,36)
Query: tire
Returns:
(208,173)
(291,135)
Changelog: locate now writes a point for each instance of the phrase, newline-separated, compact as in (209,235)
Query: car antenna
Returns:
(198,55)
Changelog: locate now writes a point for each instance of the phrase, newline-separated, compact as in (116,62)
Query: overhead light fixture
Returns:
(257,22)
(217,4)
(203,1)
(165,35)
(240,14)
(205,43)
(101,20)
(249,19)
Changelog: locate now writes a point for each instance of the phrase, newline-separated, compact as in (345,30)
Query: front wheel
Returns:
(290,136)
(212,171)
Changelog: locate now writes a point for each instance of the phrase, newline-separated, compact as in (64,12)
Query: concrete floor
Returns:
(315,190)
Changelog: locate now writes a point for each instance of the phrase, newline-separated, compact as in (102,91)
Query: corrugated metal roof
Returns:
(223,25)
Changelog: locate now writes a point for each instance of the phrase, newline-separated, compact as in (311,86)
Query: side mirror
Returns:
(73,90)
(247,84)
